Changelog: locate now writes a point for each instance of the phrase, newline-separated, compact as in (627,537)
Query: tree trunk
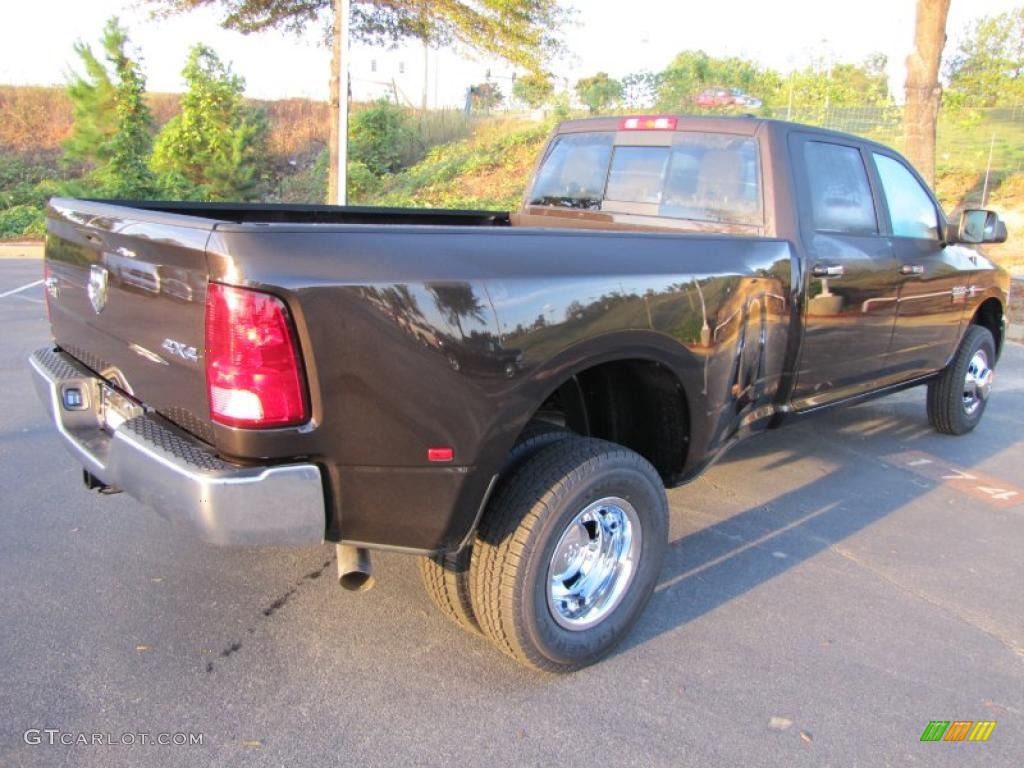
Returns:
(335,102)
(923,91)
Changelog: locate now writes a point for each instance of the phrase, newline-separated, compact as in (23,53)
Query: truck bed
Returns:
(416,329)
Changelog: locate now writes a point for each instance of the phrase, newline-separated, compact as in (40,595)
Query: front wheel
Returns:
(568,553)
(957,398)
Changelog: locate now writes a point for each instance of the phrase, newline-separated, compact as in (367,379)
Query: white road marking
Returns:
(19,290)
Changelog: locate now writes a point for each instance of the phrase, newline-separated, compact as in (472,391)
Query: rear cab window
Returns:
(699,176)
(574,172)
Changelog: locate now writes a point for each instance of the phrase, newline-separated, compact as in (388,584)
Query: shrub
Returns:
(22,221)
(216,148)
(382,139)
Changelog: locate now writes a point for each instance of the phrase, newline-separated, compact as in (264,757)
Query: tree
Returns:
(639,89)
(456,301)
(812,91)
(382,139)
(987,69)
(923,92)
(213,149)
(112,123)
(692,71)
(533,89)
(485,96)
(598,92)
(523,33)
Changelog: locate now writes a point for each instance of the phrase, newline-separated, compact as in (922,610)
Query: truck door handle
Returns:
(912,269)
(820,270)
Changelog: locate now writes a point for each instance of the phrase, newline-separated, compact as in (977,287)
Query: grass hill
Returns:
(488,170)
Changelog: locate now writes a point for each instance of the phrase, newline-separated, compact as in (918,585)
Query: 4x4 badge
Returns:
(98,287)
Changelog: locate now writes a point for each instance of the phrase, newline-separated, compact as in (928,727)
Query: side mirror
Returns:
(979,226)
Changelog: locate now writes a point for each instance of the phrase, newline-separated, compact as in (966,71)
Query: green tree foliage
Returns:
(382,139)
(215,149)
(533,89)
(843,85)
(692,71)
(599,92)
(639,89)
(112,123)
(523,32)
(485,96)
(815,87)
(987,69)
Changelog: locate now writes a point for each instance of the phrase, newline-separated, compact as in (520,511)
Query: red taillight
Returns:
(253,374)
(648,123)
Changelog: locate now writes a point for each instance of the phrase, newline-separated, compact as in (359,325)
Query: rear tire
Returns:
(446,577)
(957,398)
(568,553)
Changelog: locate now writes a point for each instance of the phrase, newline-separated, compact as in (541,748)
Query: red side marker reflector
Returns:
(440,454)
(649,123)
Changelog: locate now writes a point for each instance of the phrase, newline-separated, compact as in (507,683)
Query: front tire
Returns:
(569,553)
(957,398)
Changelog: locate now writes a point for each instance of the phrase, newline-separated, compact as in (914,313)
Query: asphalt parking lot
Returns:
(830,589)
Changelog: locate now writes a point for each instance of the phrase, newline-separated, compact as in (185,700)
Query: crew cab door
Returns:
(851,276)
(932,286)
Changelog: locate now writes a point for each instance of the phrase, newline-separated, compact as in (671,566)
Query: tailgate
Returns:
(127,293)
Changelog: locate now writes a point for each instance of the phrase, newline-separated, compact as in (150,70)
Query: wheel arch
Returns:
(990,314)
(668,361)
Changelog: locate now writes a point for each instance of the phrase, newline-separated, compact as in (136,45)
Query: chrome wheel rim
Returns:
(593,563)
(977,382)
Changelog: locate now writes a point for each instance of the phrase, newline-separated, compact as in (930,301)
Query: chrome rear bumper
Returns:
(175,474)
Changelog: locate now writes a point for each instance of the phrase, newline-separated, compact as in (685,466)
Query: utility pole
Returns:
(426,70)
(338,182)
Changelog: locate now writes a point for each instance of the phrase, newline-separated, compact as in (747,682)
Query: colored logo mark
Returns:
(958,730)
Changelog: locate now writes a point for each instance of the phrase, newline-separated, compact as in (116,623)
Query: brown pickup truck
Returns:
(508,396)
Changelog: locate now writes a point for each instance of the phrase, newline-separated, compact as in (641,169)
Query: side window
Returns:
(840,194)
(637,174)
(910,207)
(574,171)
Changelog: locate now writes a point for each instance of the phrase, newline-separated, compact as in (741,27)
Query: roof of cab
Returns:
(747,125)
(744,125)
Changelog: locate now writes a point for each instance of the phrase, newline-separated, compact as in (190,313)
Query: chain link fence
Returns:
(971,140)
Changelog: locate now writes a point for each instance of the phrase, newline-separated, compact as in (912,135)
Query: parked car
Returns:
(710,98)
(670,286)
(741,99)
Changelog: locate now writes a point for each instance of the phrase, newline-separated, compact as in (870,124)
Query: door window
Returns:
(911,209)
(840,194)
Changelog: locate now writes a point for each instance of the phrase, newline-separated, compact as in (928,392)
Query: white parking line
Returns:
(19,290)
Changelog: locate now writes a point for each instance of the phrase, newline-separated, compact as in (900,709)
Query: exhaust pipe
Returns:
(93,483)
(354,570)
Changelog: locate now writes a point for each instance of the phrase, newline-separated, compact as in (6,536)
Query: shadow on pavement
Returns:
(709,567)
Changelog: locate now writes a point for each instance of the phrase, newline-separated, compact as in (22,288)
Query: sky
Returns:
(610,35)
